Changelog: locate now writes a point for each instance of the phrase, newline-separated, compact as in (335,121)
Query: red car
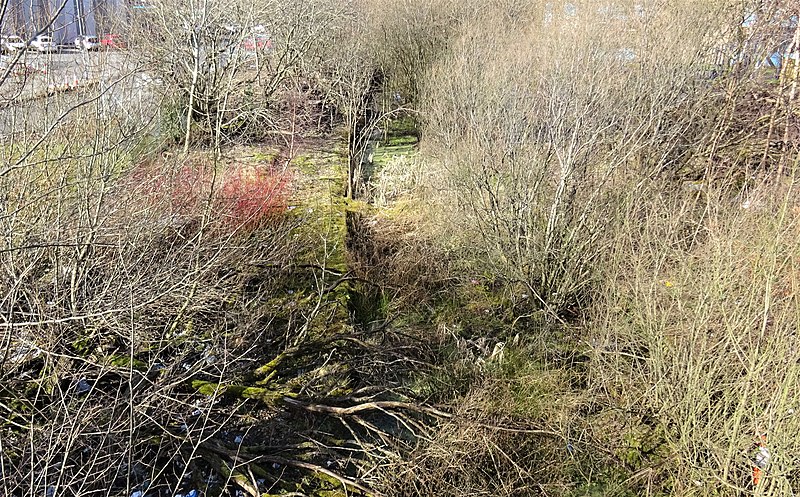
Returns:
(257,42)
(113,41)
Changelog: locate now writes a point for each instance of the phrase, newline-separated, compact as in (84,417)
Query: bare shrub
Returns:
(698,331)
(531,128)
(409,36)
(113,303)
(226,67)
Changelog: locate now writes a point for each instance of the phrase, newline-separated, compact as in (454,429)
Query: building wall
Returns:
(72,17)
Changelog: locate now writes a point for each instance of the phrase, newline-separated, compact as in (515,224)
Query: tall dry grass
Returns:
(697,327)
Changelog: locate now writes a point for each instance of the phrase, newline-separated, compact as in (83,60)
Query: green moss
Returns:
(405,125)
(383,154)
(83,345)
(267,396)
(396,141)
(265,156)
(124,361)
(307,164)
(269,368)
(207,388)
(642,444)
(322,234)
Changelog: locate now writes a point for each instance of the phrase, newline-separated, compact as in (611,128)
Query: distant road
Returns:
(43,86)
(34,72)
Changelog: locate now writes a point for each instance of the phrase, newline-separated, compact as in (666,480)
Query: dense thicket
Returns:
(408,248)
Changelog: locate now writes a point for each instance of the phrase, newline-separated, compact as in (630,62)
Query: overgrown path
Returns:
(329,388)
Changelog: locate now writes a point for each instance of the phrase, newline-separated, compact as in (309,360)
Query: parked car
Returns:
(113,41)
(257,42)
(10,44)
(44,44)
(87,42)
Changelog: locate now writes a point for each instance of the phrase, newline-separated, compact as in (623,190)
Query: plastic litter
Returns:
(761,460)
(82,386)
(762,457)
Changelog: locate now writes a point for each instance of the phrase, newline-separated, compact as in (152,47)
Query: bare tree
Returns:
(228,64)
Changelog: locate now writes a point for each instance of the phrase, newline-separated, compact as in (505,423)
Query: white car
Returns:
(12,44)
(87,42)
(43,43)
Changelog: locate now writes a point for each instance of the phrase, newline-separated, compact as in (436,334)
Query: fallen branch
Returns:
(367,406)
(346,482)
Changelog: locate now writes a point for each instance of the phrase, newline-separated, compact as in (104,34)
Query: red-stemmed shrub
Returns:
(241,197)
(249,196)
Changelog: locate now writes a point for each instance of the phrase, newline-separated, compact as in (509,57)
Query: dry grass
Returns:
(697,328)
